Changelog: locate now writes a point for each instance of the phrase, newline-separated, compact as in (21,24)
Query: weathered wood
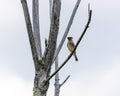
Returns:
(42,75)
(54,28)
(43,64)
(40,88)
(36,27)
(57,85)
(50,7)
(30,33)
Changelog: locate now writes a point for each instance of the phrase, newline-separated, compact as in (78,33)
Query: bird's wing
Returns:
(70,46)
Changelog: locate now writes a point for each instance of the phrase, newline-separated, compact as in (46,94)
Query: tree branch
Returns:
(54,28)
(50,7)
(65,81)
(36,29)
(46,49)
(79,40)
(30,32)
(57,87)
(67,29)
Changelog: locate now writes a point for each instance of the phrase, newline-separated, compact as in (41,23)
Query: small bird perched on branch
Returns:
(71,47)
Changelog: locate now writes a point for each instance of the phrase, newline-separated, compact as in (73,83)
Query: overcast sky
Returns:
(97,72)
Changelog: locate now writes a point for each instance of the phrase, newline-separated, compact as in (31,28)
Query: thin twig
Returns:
(65,81)
(79,40)
(67,29)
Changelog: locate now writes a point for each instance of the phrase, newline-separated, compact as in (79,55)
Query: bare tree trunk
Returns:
(40,86)
(43,63)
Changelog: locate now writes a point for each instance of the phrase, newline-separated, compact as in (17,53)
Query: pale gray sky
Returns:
(97,73)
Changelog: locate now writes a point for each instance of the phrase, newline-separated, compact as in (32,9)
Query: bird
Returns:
(71,47)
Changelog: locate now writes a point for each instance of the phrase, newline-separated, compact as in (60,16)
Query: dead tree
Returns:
(43,62)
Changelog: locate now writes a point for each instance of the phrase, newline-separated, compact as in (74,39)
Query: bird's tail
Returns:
(76,59)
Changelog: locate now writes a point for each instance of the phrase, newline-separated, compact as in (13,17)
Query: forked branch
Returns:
(30,32)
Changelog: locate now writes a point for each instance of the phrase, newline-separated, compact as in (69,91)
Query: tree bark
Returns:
(54,28)
(57,85)
(30,33)
(36,27)
(43,63)
(40,86)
